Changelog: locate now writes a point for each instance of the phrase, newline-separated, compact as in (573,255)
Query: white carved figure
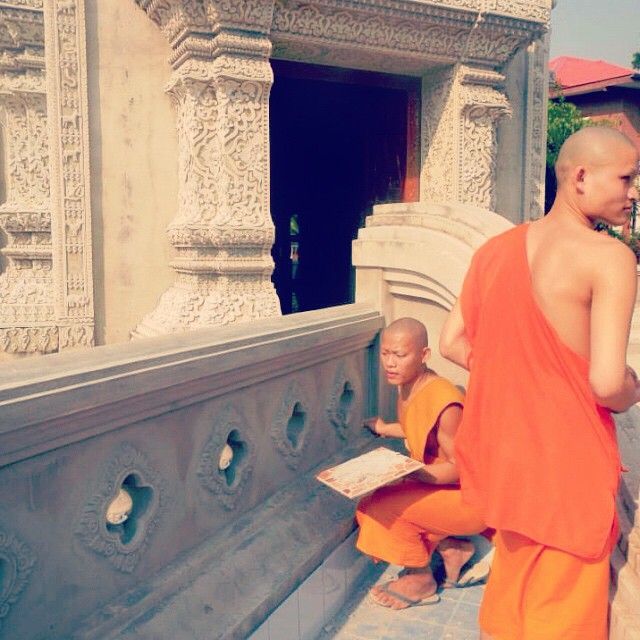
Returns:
(226,456)
(120,507)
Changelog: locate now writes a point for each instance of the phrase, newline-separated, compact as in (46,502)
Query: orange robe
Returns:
(535,451)
(403,523)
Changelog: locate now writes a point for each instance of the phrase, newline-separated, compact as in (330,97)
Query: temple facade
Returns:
(165,163)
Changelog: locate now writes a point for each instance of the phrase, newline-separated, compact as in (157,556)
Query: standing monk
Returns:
(542,324)
(404,523)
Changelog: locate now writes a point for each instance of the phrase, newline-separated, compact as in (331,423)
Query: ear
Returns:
(580,174)
(426,354)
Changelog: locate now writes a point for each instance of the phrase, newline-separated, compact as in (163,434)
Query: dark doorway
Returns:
(341,141)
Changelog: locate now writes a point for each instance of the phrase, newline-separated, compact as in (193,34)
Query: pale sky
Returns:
(606,30)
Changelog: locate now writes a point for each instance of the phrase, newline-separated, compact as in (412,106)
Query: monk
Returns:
(405,523)
(542,324)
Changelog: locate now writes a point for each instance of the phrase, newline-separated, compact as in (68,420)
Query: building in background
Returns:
(601,90)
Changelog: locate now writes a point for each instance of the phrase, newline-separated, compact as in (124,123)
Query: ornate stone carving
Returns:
(289,427)
(461,109)
(46,291)
(536,129)
(121,545)
(404,37)
(223,230)
(69,164)
(26,285)
(228,483)
(16,564)
(340,406)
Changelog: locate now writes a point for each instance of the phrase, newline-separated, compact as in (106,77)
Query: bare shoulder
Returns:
(610,255)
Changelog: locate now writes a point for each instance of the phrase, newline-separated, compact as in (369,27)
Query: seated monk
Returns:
(404,523)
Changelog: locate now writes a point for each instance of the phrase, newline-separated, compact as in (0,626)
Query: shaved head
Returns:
(590,146)
(412,328)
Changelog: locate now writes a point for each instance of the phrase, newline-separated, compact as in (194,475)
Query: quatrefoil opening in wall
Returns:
(118,521)
(290,426)
(16,564)
(341,402)
(226,462)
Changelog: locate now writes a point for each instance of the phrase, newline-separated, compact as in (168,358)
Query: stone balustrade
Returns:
(168,486)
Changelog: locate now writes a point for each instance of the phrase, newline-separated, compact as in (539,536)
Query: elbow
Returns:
(610,393)
(445,346)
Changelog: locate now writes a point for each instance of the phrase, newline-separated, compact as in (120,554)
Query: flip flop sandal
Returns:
(410,602)
(475,575)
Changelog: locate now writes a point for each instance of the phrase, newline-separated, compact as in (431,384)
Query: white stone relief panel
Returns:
(70,176)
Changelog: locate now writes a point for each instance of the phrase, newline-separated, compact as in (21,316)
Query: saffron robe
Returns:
(540,593)
(403,523)
(536,453)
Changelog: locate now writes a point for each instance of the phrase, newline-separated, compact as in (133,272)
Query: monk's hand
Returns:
(374,424)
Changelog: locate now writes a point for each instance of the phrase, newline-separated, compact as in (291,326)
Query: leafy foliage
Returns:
(635,61)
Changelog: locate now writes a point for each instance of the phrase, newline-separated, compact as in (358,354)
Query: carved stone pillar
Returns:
(461,107)
(536,128)
(223,230)
(27,318)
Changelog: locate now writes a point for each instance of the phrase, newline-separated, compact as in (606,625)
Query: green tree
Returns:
(563,119)
(635,61)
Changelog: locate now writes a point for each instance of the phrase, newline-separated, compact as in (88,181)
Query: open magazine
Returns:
(363,474)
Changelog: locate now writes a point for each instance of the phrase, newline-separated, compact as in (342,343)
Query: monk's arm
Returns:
(614,385)
(384,429)
(454,344)
(445,472)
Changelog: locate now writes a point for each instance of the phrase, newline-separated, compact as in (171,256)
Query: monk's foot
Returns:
(455,554)
(415,587)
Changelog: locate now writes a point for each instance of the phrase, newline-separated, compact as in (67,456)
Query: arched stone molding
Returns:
(223,230)
(399,238)
(461,108)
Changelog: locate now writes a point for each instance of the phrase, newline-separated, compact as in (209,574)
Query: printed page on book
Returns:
(362,475)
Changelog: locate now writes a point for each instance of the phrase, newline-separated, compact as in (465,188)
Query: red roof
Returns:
(571,73)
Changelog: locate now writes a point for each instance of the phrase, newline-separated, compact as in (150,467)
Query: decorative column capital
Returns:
(205,30)
(461,107)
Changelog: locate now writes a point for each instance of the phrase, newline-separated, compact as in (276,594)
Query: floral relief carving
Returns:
(16,565)
(70,175)
(482,105)
(439,137)
(486,35)
(123,549)
(290,426)
(223,230)
(342,399)
(462,109)
(228,480)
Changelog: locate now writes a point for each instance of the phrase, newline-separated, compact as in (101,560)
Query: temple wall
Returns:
(134,165)
(210,547)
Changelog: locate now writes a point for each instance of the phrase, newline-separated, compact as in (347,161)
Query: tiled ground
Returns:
(453,618)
